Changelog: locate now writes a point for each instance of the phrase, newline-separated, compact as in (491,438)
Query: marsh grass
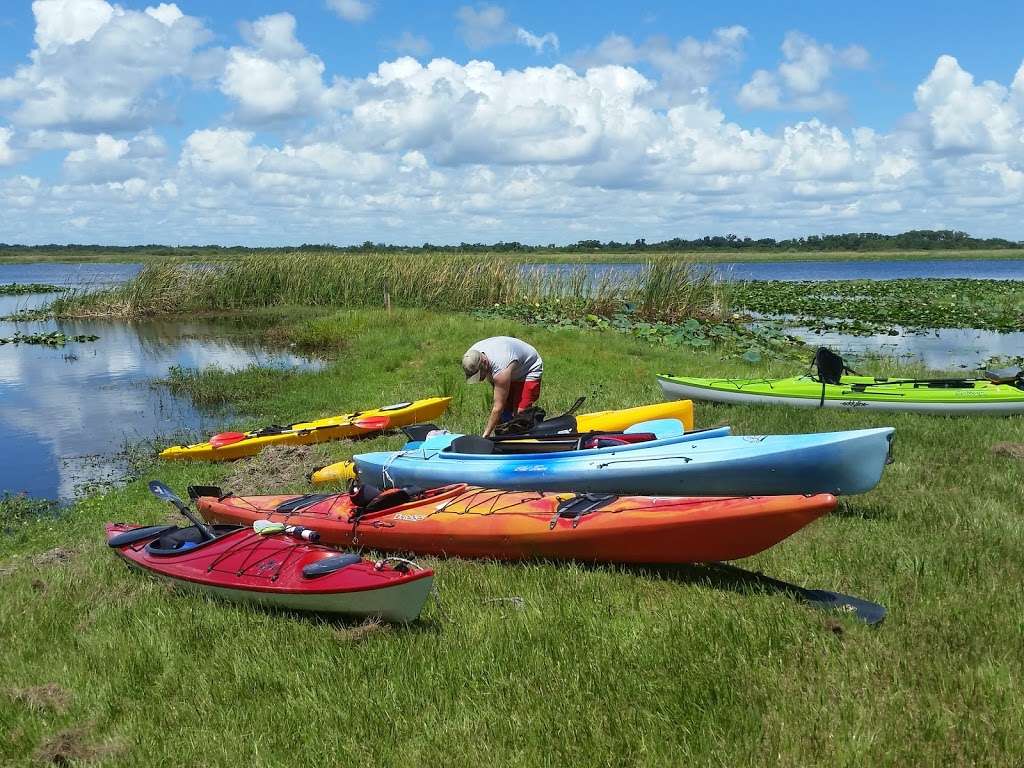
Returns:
(665,289)
(545,664)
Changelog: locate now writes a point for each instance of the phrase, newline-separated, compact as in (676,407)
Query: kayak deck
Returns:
(967,395)
(308,432)
(465,521)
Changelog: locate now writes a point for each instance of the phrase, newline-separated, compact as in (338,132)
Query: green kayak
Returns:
(1000,394)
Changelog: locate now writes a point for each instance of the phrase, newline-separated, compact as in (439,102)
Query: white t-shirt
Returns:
(503,351)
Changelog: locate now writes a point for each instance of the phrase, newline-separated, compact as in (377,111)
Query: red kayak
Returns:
(464,521)
(274,570)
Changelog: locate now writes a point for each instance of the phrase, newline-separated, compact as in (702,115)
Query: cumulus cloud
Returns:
(683,67)
(352,10)
(800,81)
(111,159)
(629,141)
(965,117)
(97,66)
(488,25)
(273,77)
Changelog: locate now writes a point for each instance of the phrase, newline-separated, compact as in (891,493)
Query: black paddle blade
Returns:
(161,491)
(868,612)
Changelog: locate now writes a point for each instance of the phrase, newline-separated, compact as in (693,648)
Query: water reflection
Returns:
(938,349)
(67,411)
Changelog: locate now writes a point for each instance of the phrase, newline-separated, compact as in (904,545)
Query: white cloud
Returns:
(487,25)
(537,43)
(7,155)
(964,117)
(111,159)
(408,43)
(275,77)
(97,66)
(352,10)
(629,142)
(801,81)
(683,67)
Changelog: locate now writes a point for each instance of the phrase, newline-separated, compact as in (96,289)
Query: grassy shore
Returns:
(599,665)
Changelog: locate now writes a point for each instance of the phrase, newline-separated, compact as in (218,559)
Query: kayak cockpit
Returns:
(180,541)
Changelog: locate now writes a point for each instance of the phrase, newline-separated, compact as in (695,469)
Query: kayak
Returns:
(274,571)
(938,396)
(598,421)
(465,521)
(235,445)
(707,463)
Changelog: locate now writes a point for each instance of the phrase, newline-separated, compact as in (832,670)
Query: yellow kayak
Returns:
(235,445)
(599,421)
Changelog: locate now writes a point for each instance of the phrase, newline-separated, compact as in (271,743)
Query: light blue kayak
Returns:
(708,463)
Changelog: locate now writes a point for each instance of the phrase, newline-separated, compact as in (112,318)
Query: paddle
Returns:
(227,438)
(268,527)
(161,491)
(826,600)
(372,423)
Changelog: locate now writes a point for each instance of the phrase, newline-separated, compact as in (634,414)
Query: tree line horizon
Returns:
(912,240)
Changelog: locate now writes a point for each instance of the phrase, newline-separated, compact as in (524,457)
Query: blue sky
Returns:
(346,120)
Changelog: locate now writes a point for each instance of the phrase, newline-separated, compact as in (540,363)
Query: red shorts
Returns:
(521,395)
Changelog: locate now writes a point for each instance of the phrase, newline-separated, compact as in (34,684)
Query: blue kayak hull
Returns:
(763,465)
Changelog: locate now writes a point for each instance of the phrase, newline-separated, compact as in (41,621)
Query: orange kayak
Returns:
(464,521)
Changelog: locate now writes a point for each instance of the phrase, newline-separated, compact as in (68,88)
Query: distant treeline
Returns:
(914,240)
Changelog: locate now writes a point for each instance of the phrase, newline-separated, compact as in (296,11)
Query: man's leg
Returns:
(515,394)
(527,395)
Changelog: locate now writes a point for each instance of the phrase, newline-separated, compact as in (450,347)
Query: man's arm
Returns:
(502,385)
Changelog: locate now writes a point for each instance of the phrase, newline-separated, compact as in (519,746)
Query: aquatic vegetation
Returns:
(733,338)
(18,289)
(875,306)
(47,338)
(665,289)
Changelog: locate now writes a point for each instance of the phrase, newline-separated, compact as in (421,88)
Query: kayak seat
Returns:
(181,541)
(293,505)
(607,441)
(329,565)
(418,432)
(368,498)
(566,423)
(196,491)
(471,444)
(1006,376)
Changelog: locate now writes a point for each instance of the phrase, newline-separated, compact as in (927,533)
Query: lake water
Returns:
(975,269)
(67,413)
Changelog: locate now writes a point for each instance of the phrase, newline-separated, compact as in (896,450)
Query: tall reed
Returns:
(663,289)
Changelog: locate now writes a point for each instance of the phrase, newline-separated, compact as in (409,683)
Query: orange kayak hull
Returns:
(463,521)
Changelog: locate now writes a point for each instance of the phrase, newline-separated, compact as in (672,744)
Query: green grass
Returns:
(602,665)
(666,289)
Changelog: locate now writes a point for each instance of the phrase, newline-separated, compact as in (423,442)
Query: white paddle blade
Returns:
(267,527)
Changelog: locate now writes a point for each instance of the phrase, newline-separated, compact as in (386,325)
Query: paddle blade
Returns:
(226,438)
(372,422)
(267,527)
(161,491)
